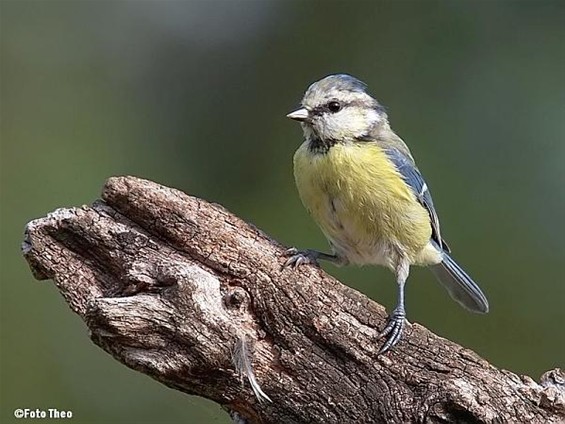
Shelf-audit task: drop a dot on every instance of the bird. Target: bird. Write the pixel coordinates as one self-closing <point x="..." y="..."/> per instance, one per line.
<point x="359" y="182"/>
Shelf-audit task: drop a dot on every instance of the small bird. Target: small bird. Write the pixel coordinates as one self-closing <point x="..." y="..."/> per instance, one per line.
<point x="360" y="183"/>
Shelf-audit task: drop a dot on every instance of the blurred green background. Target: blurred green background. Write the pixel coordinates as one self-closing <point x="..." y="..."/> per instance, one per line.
<point x="194" y="95"/>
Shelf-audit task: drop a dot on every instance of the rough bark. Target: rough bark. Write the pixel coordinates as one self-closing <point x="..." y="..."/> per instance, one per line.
<point x="170" y="285"/>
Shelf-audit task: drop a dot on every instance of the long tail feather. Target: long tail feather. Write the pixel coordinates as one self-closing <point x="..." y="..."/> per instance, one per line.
<point x="460" y="286"/>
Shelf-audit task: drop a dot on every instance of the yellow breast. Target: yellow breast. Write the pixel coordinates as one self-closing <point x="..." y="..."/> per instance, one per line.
<point x="361" y="202"/>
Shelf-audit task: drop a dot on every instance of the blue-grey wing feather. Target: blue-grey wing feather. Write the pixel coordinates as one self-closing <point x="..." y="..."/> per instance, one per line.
<point x="410" y="173"/>
<point x="460" y="286"/>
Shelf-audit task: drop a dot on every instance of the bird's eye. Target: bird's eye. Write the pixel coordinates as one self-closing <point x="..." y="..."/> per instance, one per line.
<point x="334" y="106"/>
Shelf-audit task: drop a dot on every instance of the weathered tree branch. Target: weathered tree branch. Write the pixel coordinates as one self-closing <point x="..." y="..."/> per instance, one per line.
<point x="170" y="284"/>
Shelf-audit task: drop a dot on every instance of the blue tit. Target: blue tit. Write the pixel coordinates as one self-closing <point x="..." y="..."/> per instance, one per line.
<point x="359" y="182"/>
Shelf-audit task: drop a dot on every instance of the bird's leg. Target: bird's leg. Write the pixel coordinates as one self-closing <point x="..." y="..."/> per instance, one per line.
<point x="396" y="320"/>
<point x="308" y="256"/>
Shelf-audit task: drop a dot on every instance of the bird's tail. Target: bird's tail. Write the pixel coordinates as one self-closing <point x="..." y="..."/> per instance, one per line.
<point x="459" y="285"/>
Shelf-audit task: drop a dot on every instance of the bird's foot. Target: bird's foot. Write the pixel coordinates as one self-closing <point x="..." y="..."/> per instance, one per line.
<point x="301" y="257"/>
<point x="393" y="330"/>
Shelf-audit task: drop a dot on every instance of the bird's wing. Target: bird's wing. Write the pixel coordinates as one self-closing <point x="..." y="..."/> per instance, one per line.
<point x="410" y="173"/>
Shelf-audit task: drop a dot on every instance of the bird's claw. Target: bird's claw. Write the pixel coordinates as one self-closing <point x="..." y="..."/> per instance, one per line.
<point x="300" y="257"/>
<point x="393" y="330"/>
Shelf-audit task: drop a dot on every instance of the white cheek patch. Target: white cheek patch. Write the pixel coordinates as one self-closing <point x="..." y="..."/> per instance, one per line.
<point x="351" y="122"/>
<point x="373" y="117"/>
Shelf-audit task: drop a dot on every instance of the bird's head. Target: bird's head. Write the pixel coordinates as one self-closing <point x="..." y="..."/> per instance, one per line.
<point x="338" y="109"/>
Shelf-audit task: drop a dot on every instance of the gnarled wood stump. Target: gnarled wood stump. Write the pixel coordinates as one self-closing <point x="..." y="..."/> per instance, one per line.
<point x="174" y="287"/>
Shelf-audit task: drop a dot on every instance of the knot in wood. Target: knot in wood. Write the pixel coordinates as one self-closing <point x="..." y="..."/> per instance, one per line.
<point x="236" y="298"/>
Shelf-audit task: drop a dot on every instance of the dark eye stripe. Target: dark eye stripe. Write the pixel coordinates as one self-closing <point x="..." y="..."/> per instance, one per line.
<point x="325" y="108"/>
<point x="373" y="104"/>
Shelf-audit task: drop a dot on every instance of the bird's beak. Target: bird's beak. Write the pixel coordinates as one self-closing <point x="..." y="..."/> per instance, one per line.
<point x="299" y="114"/>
